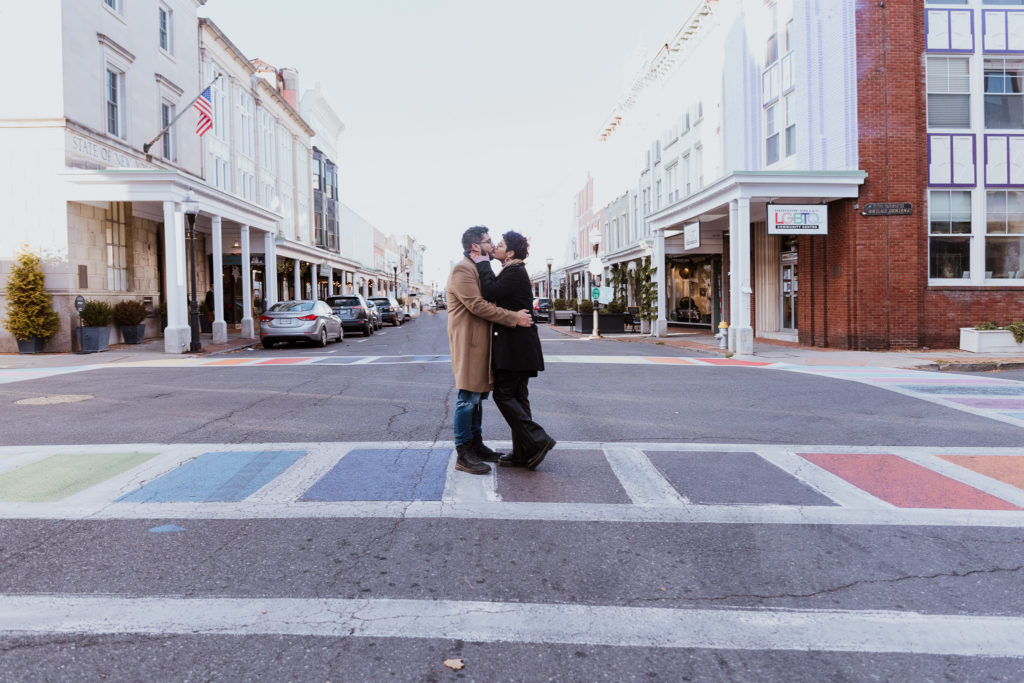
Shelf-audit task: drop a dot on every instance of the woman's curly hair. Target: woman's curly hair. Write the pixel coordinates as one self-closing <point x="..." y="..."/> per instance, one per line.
<point x="517" y="243"/>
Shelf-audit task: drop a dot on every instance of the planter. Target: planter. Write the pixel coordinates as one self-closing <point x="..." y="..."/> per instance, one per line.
<point x="133" y="334"/>
<point x="607" y="323"/>
<point x="92" y="339"/>
<point x="205" y="324"/>
<point x="988" y="341"/>
<point x="33" y="345"/>
<point x="563" y="317"/>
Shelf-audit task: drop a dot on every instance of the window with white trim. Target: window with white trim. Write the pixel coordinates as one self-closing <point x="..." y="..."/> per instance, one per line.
<point x="115" y="101"/>
<point x="169" y="139"/>
<point x="771" y="132"/>
<point x="114" y="5"/>
<point x="949" y="230"/>
<point x="1004" y="92"/>
<point x="949" y="92"/>
<point x="672" y="181"/>
<point x="790" y="103"/>
<point x="1004" y="234"/>
<point x="246" y="130"/>
<point x="698" y="165"/>
<point x="165" y="28"/>
<point x="116" y="239"/>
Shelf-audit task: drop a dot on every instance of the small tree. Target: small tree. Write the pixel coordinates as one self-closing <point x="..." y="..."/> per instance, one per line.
<point x="29" y="308"/>
<point x="129" y="312"/>
<point x="97" y="313"/>
<point x="647" y="290"/>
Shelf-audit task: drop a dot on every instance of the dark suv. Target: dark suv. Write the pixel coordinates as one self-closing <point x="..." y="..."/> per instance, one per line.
<point x="541" y="310"/>
<point x="353" y="312"/>
<point x="390" y="311"/>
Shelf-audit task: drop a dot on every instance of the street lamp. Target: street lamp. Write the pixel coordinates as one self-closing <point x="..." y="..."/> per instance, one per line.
<point x="596" y="268"/>
<point x="395" y="269"/>
<point x="191" y="208"/>
<point x="551" y="302"/>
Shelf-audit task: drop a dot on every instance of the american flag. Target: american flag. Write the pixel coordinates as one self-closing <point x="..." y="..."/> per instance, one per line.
<point x="205" y="108"/>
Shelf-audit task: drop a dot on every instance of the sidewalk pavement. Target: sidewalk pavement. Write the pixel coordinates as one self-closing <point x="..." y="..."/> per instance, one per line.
<point x="773" y="351"/>
<point x="765" y="350"/>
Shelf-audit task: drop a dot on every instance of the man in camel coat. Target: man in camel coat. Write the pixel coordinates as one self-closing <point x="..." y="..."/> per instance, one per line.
<point x="469" y="335"/>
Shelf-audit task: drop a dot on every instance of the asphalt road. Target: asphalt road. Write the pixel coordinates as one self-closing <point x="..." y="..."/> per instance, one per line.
<point x="571" y="545"/>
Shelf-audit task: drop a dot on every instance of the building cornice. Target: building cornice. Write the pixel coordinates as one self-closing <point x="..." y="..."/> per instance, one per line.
<point x="170" y="85"/>
<point x="218" y="35"/>
<point x="115" y="47"/>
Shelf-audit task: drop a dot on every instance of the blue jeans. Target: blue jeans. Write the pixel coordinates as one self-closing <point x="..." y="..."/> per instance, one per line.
<point x="469" y="415"/>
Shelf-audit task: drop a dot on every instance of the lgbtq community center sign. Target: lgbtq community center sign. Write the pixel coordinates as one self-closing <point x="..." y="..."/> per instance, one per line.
<point x="797" y="219"/>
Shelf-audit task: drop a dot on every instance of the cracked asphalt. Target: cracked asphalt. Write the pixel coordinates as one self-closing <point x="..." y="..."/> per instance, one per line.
<point x="933" y="570"/>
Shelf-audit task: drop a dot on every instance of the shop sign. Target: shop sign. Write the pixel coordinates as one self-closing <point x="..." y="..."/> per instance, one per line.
<point x="888" y="209"/>
<point x="691" y="236"/>
<point x="797" y="219"/>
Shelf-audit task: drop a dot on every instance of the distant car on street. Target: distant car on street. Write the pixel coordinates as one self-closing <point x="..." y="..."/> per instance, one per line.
<point x="375" y="313"/>
<point x="354" y="313"/>
<point x="541" y="309"/>
<point x="390" y="311"/>
<point x="301" y="320"/>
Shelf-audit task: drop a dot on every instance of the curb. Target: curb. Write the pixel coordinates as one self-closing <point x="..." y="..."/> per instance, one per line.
<point x="989" y="366"/>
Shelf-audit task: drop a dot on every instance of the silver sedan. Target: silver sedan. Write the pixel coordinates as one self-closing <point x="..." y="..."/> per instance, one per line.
<point x="303" y="320"/>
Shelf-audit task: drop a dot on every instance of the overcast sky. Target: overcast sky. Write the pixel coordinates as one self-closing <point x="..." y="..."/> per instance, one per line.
<point x="462" y="112"/>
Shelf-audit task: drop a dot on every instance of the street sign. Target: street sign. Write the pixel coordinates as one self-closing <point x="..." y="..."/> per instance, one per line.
<point x="607" y="293"/>
<point x="888" y="209"/>
<point x="595" y="293"/>
<point x="79" y="303"/>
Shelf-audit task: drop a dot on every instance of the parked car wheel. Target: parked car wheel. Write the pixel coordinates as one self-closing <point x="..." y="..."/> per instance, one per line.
<point x="267" y="344"/>
<point x="341" y="334"/>
<point x="368" y="330"/>
<point x="322" y="340"/>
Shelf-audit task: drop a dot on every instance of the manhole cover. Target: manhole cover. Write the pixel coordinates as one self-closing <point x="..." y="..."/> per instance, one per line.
<point x="52" y="400"/>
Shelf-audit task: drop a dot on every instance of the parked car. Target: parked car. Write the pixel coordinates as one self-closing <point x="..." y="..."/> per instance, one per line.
<point x="390" y="311"/>
<point x="353" y="312"/>
<point x="301" y="320"/>
<point x="375" y="312"/>
<point x="440" y="303"/>
<point x="541" y="310"/>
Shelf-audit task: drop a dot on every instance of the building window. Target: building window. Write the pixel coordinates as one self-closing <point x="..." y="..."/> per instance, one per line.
<point x="165" y="24"/>
<point x="771" y="51"/>
<point x="246" y="130"/>
<point x="672" y="179"/>
<point x="115" y="95"/>
<point x="657" y="194"/>
<point x="698" y="165"/>
<point x="166" y="116"/>
<point x="1004" y="238"/>
<point x="790" y="125"/>
<point x="116" y="226"/>
<point x="949" y="227"/>
<point x="949" y="92"/>
<point x="771" y="128"/>
<point x="113" y="4"/>
<point x="687" y="183"/>
<point x="1004" y="93"/>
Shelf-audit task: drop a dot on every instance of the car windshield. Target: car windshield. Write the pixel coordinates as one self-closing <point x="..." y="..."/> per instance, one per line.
<point x="292" y="306"/>
<point x="346" y="301"/>
<point x="380" y="302"/>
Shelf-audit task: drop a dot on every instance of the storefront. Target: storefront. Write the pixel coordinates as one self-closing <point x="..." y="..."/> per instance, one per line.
<point x="694" y="290"/>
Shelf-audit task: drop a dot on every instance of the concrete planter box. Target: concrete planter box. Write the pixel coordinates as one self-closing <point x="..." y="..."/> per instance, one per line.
<point x="988" y="341"/>
<point x="93" y="339"/>
<point x="607" y="323"/>
<point x="33" y="345"/>
<point x="133" y="334"/>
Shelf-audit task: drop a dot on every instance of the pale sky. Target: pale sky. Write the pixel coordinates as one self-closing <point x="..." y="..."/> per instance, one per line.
<point x="462" y="112"/>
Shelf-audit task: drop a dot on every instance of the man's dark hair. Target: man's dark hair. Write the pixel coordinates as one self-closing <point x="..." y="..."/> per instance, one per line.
<point x="472" y="236"/>
<point x="517" y="243"/>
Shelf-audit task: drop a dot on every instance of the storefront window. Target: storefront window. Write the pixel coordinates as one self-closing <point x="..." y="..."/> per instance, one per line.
<point x="690" y="289"/>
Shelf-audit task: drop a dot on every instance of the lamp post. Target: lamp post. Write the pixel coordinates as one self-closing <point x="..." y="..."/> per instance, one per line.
<point x="551" y="301"/>
<point x="596" y="267"/>
<point x="191" y="207"/>
<point x="395" y="270"/>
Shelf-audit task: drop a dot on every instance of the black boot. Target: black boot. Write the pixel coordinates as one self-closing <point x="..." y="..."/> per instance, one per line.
<point x="467" y="461"/>
<point x="483" y="452"/>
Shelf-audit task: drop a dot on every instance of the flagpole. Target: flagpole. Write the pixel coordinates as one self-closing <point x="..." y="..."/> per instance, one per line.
<point x="146" y="147"/>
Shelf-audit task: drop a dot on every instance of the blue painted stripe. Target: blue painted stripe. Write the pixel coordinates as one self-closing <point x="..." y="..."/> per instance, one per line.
<point x="966" y="390"/>
<point x="384" y="474"/>
<point x="338" y="360"/>
<point x="216" y="477"/>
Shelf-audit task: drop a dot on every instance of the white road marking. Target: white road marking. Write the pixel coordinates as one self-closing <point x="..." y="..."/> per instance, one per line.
<point x="504" y="622"/>
<point x="818" y="478"/>
<point x="641" y="480"/>
<point x="462" y="487"/>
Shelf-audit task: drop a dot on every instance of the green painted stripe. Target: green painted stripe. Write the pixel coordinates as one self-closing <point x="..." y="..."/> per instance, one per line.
<point x="59" y="476"/>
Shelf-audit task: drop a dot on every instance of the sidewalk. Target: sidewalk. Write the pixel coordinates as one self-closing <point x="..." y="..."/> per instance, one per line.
<point x="787" y="352"/>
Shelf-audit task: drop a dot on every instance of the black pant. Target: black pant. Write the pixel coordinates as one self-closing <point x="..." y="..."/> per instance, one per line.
<point x="512" y="396"/>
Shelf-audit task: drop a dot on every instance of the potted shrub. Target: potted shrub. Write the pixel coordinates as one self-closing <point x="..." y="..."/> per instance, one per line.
<point x="583" y="321"/>
<point x="129" y="316"/>
<point x="992" y="338"/>
<point x="647" y="294"/>
<point x="94" y="334"/>
<point x="30" y="315"/>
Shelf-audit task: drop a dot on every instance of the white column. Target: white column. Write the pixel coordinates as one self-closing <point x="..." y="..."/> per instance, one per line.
<point x="247" y="327"/>
<point x="744" y="330"/>
<point x="661" y="324"/>
<point x="269" y="270"/>
<point x="297" y="281"/>
<point x="733" y="277"/>
<point x="366" y="291"/>
<point x="177" y="335"/>
<point x="312" y="282"/>
<point x="220" y="328"/>
<point x="329" y="273"/>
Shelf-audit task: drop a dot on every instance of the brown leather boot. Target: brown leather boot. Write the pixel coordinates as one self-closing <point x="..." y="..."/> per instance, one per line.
<point x="467" y="460"/>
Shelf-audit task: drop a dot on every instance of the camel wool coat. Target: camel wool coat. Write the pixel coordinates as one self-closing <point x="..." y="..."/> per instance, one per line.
<point x="469" y="327"/>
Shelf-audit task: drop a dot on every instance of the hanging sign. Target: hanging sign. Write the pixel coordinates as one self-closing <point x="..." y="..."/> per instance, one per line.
<point x="797" y="219"/>
<point x="691" y="236"/>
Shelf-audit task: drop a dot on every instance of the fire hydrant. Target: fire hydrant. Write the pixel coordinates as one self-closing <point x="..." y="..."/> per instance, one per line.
<point x="723" y="335"/>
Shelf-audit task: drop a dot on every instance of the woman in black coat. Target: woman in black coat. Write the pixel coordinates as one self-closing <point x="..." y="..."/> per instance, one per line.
<point x="516" y="355"/>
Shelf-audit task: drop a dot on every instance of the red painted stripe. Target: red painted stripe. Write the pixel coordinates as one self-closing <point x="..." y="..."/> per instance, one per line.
<point x="905" y="484"/>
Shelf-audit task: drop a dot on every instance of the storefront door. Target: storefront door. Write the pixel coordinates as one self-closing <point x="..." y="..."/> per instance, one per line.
<point x="789" y="290"/>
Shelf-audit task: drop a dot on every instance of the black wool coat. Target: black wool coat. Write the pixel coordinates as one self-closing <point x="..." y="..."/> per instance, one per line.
<point x="512" y="348"/>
